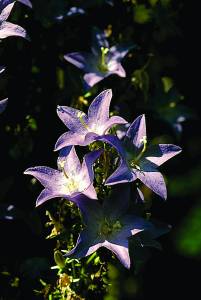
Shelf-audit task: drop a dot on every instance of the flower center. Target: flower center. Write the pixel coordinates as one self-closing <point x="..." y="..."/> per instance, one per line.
<point x="133" y="163"/>
<point x="108" y="227"/>
<point x="70" y="184"/>
<point x="103" y="64"/>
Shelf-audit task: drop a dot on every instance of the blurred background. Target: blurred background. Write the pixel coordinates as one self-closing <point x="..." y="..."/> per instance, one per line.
<point x="160" y="82"/>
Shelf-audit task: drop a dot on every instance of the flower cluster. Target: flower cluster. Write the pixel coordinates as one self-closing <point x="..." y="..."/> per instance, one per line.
<point x="109" y="223"/>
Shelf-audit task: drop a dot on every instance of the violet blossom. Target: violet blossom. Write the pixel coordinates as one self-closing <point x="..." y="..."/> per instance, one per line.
<point x="108" y="225"/>
<point x="71" y="178"/>
<point x="102" y="62"/>
<point x="141" y="162"/>
<point x="84" y="129"/>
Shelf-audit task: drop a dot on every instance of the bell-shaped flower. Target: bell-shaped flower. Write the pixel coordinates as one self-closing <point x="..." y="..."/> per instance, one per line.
<point x="71" y="178"/>
<point x="84" y="129"/>
<point x="141" y="162"/>
<point x="102" y="62"/>
<point x="108" y="225"/>
<point x="3" y="104"/>
<point x="7" y="28"/>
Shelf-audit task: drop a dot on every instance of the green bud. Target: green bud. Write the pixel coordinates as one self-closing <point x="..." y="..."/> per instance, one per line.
<point x="59" y="259"/>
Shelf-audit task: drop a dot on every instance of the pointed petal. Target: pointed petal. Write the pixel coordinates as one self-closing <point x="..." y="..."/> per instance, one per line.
<point x="115" y="67"/>
<point x="73" y="118"/>
<point x="6" y="10"/>
<point x="98" y="40"/>
<point x="158" y="154"/>
<point x="26" y="2"/>
<point x="85" y="246"/>
<point x="155" y="181"/>
<point x="48" y="177"/>
<point x="117" y="205"/>
<point x="72" y="164"/>
<point x="98" y="112"/>
<point x="91" y="192"/>
<point x="121" y="174"/>
<point x="3" y="104"/>
<point x="113" y="141"/>
<point x="114" y="121"/>
<point x="121" y="251"/>
<point x="9" y="29"/>
<point x="137" y="131"/>
<point x="69" y="139"/>
<point x="88" y="161"/>
<point x="92" y="78"/>
<point x="119" y="51"/>
<point x="79" y="59"/>
<point x="62" y="157"/>
<point x="92" y="211"/>
<point x="46" y="195"/>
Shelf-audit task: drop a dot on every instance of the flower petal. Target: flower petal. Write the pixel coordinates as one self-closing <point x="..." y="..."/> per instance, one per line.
<point x="119" y="51"/>
<point x="121" y="251"/>
<point x="114" y="121"/>
<point x="137" y="131"/>
<point x="92" y="78"/>
<point x="26" y="2"/>
<point x="6" y="8"/>
<point x="158" y="154"/>
<point x="113" y="141"/>
<point x="72" y="163"/>
<point x="79" y="59"/>
<point x="9" y="29"/>
<point x="48" y="177"/>
<point x="91" y="192"/>
<point x="69" y="139"/>
<point x="87" y="165"/>
<point x="46" y="195"/>
<point x="121" y="174"/>
<point x="73" y="118"/>
<point x="98" y="112"/>
<point x="154" y="180"/>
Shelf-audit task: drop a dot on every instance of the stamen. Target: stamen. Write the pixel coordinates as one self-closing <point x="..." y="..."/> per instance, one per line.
<point x="104" y="52"/>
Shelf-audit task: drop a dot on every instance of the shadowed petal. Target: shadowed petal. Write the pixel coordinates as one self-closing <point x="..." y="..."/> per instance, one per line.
<point x="114" y="121"/>
<point x="137" y="131"/>
<point x="87" y="165"/>
<point x="121" y="251"/>
<point x="113" y="141"/>
<point x="3" y="104"/>
<point x="119" y="70"/>
<point x="10" y="29"/>
<point x="155" y="181"/>
<point x="118" y="52"/>
<point x="47" y="176"/>
<point x="121" y="174"/>
<point x="68" y="139"/>
<point x="98" y="112"/>
<point x="73" y="118"/>
<point x="26" y="2"/>
<point x="80" y="59"/>
<point x="158" y="154"/>
<point x="92" y="211"/>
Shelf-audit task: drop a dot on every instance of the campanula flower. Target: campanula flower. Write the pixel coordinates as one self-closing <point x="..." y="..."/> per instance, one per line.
<point x="84" y="129"/>
<point x="141" y="162"/>
<point x="71" y="178"/>
<point x="102" y="62"/>
<point x="108" y="225"/>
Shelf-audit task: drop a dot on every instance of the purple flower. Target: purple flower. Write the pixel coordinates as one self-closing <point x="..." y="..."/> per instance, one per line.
<point x="71" y="178"/>
<point x="102" y="62"/>
<point x="84" y="129"/>
<point x="7" y="28"/>
<point x="140" y="162"/>
<point x="3" y="104"/>
<point x="108" y="225"/>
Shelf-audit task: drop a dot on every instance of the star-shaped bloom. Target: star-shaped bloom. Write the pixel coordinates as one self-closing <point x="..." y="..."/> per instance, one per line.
<point x="108" y="225"/>
<point x="141" y="162"/>
<point x="71" y="178"/>
<point x="7" y="28"/>
<point x="84" y="129"/>
<point x="3" y="104"/>
<point x="102" y="62"/>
